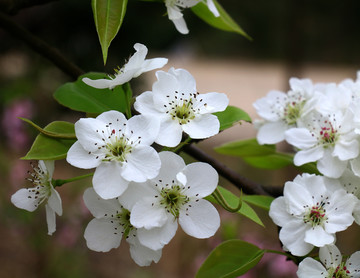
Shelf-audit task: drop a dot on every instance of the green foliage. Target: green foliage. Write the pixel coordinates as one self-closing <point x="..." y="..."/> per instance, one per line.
<point x="50" y="148"/>
<point x="230" y="259"/>
<point x="231" y="116"/>
<point x="262" y="156"/>
<point x="223" y="22"/>
<point x="108" y="16"/>
<point x="233" y="201"/>
<point x="260" y="201"/>
<point x="79" y="96"/>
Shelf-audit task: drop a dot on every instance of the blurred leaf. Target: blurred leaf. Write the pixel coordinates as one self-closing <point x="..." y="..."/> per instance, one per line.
<point x="48" y="148"/>
<point x="260" y="201"/>
<point x="230" y="259"/>
<point x="249" y="147"/>
<point x="270" y="161"/>
<point x="223" y="22"/>
<point x="233" y="201"/>
<point x="108" y="16"/>
<point x="79" y="96"/>
<point x="231" y="116"/>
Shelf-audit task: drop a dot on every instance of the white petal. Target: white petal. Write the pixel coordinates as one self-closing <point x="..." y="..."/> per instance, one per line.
<point x="201" y="220"/>
<point x="50" y="219"/>
<point x="202" y="179"/>
<point x="99" y="83"/>
<point x="156" y="238"/>
<point x="346" y="150"/>
<point x="89" y="133"/>
<point x="317" y="236"/>
<point x="309" y="268"/>
<point x="203" y="126"/>
<point x="99" y="207"/>
<point x="79" y="157"/>
<point x="296" y="197"/>
<point x="108" y="181"/>
<point x="135" y="192"/>
<point x="186" y="82"/>
<point x="144" y="104"/>
<point x="136" y="60"/>
<point x="213" y="102"/>
<point x="292" y="236"/>
<point x="147" y="214"/>
<point x="170" y="133"/>
<point x="101" y="235"/>
<point x="266" y="107"/>
<point x="271" y="132"/>
<point x="308" y="155"/>
<point x="123" y="77"/>
<point x="278" y="212"/>
<point x="142" y="163"/>
<point x="25" y="199"/>
<point x="330" y="256"/>
<point x="330" y="166"/>
<point x="353" y="264"/>
<point x="147" y="128"/>
<point x="114" y="119"/>
<point x="142" y="255"/>
<point x="166" y="84"/>
<point x="300" y="138"/>
<point x="180" y="25"/>
<point x="171" y="165"/>
<point x="155" y="63"/>
<point x="49" y="166"/>
<point x="54" y="201"/>
<point x="355" y="166"/>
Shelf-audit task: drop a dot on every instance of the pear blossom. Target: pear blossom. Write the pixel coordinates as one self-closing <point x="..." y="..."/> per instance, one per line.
<point x="330" y="140"/>
<point x="311" y="211"/>
<point x="118" y="148"/>
<point x="110" y="224"/>
<point x="136" y="65"/>
<point x="331" y="265"/>
<point x="175" y="195"/>
<point x="175" y="101"/>
<point x="280" y="111"/>
<point x="43" y="192"/>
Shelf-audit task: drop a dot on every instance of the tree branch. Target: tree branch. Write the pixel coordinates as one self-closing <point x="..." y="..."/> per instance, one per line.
<point x="247" y="186"/>
<point x="40" y="46"/>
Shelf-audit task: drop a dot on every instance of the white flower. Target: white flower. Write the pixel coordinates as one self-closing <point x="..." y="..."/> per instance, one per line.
<point x="111" y="223"/>
<point x="282" y="111"/>
<point x="175" y="15"/>
<point x="331" y="265"/>
<point x="133" y="68"/>
<point x="175" y="102"/>
<point x="118" y="148"/>
<point x="311" y="211"/>
<point x="330" y="140"/>
<point x="175" y="195"/>
<point x="43" y="192"/>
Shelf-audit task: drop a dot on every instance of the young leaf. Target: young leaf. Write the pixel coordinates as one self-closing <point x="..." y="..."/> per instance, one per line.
<point x="231" y="116"/>
<point x="260" y="201"/>
<point x="249" y="147"/>
<point x="49" y="148"/>
<point x="81" y="97"/>
<point x="230" y="259"/>
<point x="108" y="16"/>
<point x="223" y="22"/>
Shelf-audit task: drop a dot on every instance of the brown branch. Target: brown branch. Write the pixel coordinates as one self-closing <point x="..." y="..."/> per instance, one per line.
<point x="40" y="46"/>
<point x="13" y="6"/>
<point x="247" y="186"/>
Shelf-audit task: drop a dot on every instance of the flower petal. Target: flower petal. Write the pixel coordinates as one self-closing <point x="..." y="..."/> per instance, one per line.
<point x="99" y="83"/>
<point x="47" y="166"/>
<point x="212" y="102"/>
<point x="170" y="133"/>
<point x="202" y="179"/>
<point x="353" y="265"/>
<point x="331" y="166"/>
<point x="108" y="181"/>
<point x="202" y="126"/>
<point x="50" y="219"/>
<point x="89" y="133"/>
<point x="200" y="220"/>
<point x="300" y="138"/>
<point x="278" y="212"/>
<point x="309" y="268"/>
<point x="330" y="256"/>
<point x="79" y="157"/>
<point x="142" y="128"/>
<point x="142" y="163"/>
<point x="308" y="155"/>
<point x="155" y="63"/>
<point x="142" y="255"/>
<point x="171" y="165"/>
<point x="25" y="199"/>
<point x="271" y="132"/>
<point x="114" y="119"/>
<point x="144" y="104"/>
<point x="54" y="201"/>
<point x="101" y="235"/>
<point x="317" y="236"/>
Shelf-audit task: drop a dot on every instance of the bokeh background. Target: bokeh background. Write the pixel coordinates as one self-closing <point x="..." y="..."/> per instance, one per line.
<point x="306" y="39"/>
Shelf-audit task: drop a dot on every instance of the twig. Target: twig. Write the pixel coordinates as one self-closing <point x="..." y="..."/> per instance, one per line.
<point x="40" y="46"/>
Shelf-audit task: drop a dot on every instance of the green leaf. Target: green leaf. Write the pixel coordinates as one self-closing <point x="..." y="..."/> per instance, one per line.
<point x="79" y="96"/>
<point x="223" y="22"/>
<point x="48" y="148"/>
<point x="231" y="116"/>
<point x="260" y="201"/>
<point x="230" y="259"/>
<point x="249" y="147"/>
<point x="233" y="201"/>
<point x="270" y="161"/>
<point x="108" y="16"/>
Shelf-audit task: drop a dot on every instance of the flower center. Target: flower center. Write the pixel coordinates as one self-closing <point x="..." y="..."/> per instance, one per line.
<point x="181" y="109"/>
<point x="173" y="199"/>
<point x="118" y="149"/>
<point x="292" y="111"/>
<point x="339" y="272"/>
<point x="315" y="215"/>
<point x="42" y="186"/>
<point x="124" y="220"/>
<point x="328" y="134"/>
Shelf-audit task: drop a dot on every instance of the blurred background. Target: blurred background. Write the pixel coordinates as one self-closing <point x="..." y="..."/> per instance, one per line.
<point x="306" y="39"/>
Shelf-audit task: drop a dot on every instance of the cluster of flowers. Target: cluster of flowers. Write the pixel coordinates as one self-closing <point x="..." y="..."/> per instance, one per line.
<point x="321" y="121"/>
<point x="138" y="193"/>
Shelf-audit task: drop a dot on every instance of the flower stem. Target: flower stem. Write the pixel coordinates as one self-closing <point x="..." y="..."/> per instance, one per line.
<point x="60" y="182"/>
